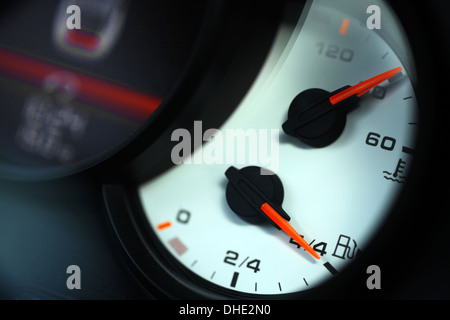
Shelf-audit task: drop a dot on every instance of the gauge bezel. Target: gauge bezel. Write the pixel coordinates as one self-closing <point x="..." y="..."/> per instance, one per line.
<point x="179" y="282"/>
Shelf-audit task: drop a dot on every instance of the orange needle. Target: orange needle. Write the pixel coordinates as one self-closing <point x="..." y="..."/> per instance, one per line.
<point x="362" y="87"/>
<point x="286" y="227"/>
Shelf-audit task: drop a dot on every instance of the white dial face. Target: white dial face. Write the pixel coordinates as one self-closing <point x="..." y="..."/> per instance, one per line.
<point x="337" y="196"/>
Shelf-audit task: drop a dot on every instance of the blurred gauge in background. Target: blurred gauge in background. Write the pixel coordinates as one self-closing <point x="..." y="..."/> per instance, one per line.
<point x="79" y="78"/>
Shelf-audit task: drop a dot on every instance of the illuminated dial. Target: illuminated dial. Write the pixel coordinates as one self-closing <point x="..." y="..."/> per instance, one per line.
<point x="336" y="192"/>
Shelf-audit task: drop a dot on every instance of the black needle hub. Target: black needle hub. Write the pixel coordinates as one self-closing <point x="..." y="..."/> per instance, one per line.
<point x="248" y="190"/>
<point x="314" y="120"/>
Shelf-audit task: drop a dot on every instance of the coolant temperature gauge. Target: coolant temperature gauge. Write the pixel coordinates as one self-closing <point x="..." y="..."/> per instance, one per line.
<point x="336" y="109"/>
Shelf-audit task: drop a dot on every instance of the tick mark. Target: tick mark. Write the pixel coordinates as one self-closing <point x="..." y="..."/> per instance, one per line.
<point x="164" y="225"/>
<point x="384" y="56"/>
<point x="193" y="263"/>
<point x="234" y="279"/>
<point x="177" y="245"/>
<point x="406" y="98"/>
<point x="212" y="276"/>
<point x="407" y="150"/>
<point x="344" y="26"/>
<point x="279" y="286"/>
